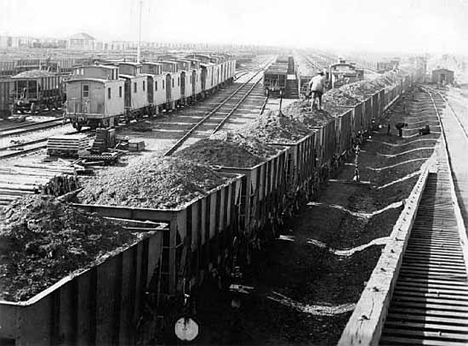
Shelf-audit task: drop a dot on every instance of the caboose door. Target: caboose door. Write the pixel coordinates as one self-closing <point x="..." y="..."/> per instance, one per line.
<point x="128" y="93"/>
<point x="194" y="78"/>
<point x="168" y="87"/>
<point x="182" y="84"/>
<point x="150" y="84"/>
<point x="203" y="78"/>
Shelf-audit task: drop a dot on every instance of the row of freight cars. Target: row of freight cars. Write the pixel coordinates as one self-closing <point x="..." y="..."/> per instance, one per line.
<point x="135" y="89"/>
<point x="103" y="305"/>
<point x="102" y="95"/>
<point x="59" y="65"/>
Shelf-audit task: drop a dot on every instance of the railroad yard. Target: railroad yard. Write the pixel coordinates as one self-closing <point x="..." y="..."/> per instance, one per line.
<point x="231" y="194"/>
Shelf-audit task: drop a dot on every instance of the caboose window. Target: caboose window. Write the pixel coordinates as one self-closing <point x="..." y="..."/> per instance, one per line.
<point x="143" y="85"/>
<point x="109" y="93"/>
<point x="178" y="81"/>
<point x="172" y="82"/>
<point x="156" y="86"/>
<point x="135" y="87"/>
<point x="163" y="84"/>
<point x="85" y="90"/>
<point x="120" y="91"/>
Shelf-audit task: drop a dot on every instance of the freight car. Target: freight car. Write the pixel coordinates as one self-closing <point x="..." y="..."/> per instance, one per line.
<point x="343" y="73"/>
<point x="149" y="87"/>
<point x="275" y="78"/>
<point x="6" y="102"/>
<point x="36" y="90"/>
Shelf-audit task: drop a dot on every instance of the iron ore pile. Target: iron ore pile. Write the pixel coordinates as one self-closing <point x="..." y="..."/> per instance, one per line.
<point x="274" y="127"/>
<point x="249" y="145"/>
<point x="153" y="182"/>
<point x="43" y="240"/>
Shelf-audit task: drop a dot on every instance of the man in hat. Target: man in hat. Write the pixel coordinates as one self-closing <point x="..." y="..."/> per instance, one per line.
<point x="399" y="127"/>
<point x="317" y="87"/>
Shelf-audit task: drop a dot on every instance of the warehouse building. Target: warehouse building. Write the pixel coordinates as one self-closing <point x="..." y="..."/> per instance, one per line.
<point x="442" y="76"/>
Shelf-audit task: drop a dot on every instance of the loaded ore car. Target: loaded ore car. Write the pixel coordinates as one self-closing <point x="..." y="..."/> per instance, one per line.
<point x="95" y="96"/>
<point x="36" y="90"/>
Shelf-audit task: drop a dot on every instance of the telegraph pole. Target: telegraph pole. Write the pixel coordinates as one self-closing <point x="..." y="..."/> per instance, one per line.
<point x="139" y="33"/>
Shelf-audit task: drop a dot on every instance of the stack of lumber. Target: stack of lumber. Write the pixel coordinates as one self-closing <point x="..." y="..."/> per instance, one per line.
<point x="20" y="180"/>
<point x="67" y="145"/>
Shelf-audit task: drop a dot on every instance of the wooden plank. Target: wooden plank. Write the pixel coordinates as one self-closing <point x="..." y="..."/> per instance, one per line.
<point x="426" y="318"/>
<point x="442" y="307"/>
<point x="421" y="310"/>
<point x="433" y="285"/>
<point x="394" y="340"/>
<point x="432" y="258"/>
<point x="428" y="334"/>
<point x="431" y="290"/>
<point x="435" y="268"/>
<point x="445" y="301"/>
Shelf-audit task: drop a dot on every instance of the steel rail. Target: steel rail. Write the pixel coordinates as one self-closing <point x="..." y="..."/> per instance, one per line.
<point x="189" y="132"/>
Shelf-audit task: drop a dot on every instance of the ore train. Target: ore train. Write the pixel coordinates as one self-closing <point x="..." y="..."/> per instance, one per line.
<point x="104" y="94"/>
<point x="196" y="238"/>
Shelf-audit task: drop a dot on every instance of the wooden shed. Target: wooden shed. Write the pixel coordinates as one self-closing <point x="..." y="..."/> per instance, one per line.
<point x="442" y="76"/>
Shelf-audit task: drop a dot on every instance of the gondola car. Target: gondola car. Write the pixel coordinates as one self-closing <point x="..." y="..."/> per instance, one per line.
<point x="36" y="90"/>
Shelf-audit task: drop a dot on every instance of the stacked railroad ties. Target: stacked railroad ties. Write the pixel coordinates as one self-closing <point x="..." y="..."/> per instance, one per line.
<point x="194" y="212"/>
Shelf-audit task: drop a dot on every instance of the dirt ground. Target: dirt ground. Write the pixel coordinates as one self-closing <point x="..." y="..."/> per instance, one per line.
<point x="303" y="292"/>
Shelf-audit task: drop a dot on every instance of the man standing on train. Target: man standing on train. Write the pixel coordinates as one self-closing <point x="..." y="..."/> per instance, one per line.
<point x="317" y="87"/>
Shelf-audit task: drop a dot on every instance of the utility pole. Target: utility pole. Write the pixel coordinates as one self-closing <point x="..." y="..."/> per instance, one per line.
<point x="139" y="33"/>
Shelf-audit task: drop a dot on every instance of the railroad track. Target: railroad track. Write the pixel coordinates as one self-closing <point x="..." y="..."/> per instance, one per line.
<point x="28" y="146"/>
<point x="31" y="127"/>
<point x="215" y="118"/>
<point x="429" y="304"/>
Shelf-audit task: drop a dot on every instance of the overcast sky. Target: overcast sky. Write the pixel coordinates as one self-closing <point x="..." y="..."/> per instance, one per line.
<point x="378" y="25"/>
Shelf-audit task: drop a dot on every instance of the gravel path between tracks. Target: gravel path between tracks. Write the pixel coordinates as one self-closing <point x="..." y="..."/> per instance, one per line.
<point x="294" y="275"/>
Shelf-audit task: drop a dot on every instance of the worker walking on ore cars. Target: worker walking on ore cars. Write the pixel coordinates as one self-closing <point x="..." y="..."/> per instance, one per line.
<point x="317" y="87"/>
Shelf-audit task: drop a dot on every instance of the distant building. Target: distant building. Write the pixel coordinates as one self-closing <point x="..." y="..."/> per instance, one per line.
<point x="442" y="76"/>
<point x="81" y="41"/>
<point x="4" y="41"/>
